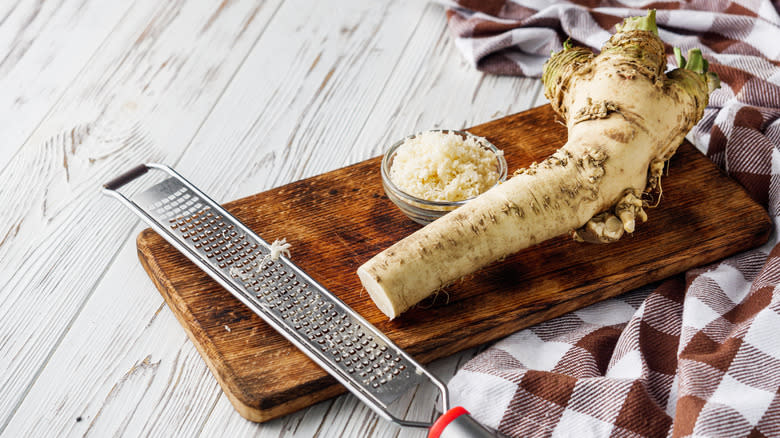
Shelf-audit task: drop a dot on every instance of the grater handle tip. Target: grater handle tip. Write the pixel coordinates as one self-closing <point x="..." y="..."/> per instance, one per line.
<point x="457" y="423"/>
<point x="126" y="177"/>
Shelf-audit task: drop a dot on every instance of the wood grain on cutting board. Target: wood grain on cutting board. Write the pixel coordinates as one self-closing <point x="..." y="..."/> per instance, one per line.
<point x="338" y="220"/>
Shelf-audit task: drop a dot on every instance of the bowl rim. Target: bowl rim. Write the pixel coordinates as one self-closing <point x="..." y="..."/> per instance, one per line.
<point x="385" y="168"/>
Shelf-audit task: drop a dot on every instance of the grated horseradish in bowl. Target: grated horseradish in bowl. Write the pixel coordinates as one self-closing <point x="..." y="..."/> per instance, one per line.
<point x="434" y="172"/>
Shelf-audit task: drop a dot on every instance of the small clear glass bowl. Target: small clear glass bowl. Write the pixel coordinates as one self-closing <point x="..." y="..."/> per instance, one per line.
<point x="421" y="210"/>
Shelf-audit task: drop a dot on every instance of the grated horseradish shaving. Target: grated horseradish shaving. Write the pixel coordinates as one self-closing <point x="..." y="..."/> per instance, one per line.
<point x="280" y="247"/>
<point x="277" y="249"/>
<point x="440" y="166"/>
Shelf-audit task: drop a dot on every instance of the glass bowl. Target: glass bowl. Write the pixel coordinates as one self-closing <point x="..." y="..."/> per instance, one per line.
<point x="421" y="210"/>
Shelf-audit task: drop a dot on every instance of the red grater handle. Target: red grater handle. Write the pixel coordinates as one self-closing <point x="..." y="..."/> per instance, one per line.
<point x="457" y="423"/>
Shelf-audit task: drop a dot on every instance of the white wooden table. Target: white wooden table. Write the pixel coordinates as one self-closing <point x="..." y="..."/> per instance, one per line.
<point x="239" y="96"/>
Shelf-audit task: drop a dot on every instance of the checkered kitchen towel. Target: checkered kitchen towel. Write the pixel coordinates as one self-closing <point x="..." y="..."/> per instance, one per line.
<point x="698" y="355"/>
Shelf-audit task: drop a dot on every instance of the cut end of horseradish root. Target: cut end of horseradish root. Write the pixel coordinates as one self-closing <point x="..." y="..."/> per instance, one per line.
<point x="377" y="294"/>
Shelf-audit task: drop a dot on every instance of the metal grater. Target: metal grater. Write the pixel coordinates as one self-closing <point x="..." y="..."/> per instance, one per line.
<point x="337" y="338"/>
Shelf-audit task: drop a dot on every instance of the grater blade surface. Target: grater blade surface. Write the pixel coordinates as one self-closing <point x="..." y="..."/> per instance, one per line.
<point x="357" y="354"/>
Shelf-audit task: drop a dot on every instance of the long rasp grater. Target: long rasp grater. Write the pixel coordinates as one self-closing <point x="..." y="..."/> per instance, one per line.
<point x="336" y="337"/>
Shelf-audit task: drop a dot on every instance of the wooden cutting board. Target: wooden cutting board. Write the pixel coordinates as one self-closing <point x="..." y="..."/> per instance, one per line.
<point x="338" y="220"/>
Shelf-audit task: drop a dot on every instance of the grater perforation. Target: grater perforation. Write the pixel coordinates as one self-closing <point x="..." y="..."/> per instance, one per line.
<point x="302" y="310"/>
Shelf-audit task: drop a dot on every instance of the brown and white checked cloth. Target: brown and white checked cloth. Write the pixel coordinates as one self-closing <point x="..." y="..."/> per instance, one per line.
<point x="698" y="355"/>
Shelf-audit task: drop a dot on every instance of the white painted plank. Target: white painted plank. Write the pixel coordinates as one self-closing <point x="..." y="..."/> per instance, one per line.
<point x="43" y="46"/>
<point x="434" y="88"/>
<point x="142" y="98"/>
<point x="109" y="396"/>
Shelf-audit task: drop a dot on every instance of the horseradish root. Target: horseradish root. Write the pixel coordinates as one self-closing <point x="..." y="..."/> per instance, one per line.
<point x="625" y="119"/>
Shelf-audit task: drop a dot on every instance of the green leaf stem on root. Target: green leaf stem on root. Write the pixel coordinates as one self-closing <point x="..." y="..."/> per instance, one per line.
<point x="679" y="57"/>
<point x="646" y="23"/>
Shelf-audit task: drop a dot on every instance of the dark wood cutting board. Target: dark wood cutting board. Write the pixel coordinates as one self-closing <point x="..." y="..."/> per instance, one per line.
<point x="338" y="220"/>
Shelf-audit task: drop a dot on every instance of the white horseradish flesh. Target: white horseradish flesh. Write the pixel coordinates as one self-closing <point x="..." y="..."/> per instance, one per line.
<point x="443" y="166"/>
